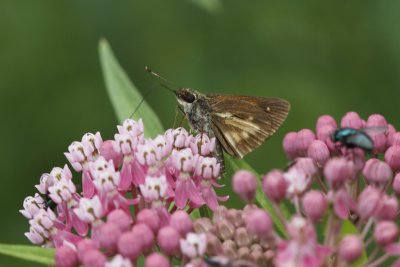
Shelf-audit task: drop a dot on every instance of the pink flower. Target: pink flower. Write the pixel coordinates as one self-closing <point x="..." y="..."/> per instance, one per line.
<point x="92" y="144"/>
<point x="154" y="188"/>
<point x="35" y="237"/>
<point x="289" y="145"/>
<point x="350" y="248"/>
<point x="169" y="240"/>
<point x="119" y="261"/>
<point x="89" y="210"/>
<point x="244" y="184"/>
<point x="303" y="140"/>
<point x="274" y="185"/>
<point x="352" y="120"/>
<point x="201" y="144"/>
<point x="133" y="128"/>
<point x="314" y="204"/>
<point x="207" y="167"/>
<point x="66" y="257"/>
<point x="177" y="137"/>
<point x="302" y="250"/>
<point x="32" y="205"/>
<point x="187" y="190"/>
<point x="183" y="160"/>
<point x="326" y="120"/>
<point x="62" y="191"/>
<point x="194" y="245"/>
<point x="337" y="171"/>
<point x="297" y="182"/>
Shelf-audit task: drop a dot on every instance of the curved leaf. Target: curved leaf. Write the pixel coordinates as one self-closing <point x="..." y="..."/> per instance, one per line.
<point x="124" y="95"/>
<point x="29" y="253"/>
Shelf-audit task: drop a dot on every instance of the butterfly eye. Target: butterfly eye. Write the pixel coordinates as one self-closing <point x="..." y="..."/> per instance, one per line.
<point x="187" y="97"/>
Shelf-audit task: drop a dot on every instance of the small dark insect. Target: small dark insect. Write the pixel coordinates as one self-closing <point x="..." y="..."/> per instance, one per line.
<point x="352" y="138"/>
<point x="49" y="203"/>
<point x="239" y="123"/>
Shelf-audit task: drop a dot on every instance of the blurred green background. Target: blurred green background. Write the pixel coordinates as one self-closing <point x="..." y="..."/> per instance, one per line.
<point x="325" y="57"/>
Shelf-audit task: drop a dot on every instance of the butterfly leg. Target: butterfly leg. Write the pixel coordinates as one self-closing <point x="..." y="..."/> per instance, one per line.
<point x="182" y="121"/>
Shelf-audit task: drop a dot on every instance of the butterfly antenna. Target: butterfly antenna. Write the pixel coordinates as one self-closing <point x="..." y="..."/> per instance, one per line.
<point x="143" y="99"/>
<point x="163" y="79"/>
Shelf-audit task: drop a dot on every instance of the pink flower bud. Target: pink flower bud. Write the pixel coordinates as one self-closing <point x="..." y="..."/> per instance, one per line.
<point x="352" y="120"/>
<point x="379" y="139"/>
<point x="242" y="237"/>
<point x="108" y="236"/>
<point x="380" y="142"/>
<point x="314" y="204"/>
<point x="368" y="202"/>
<point x="337" y="171"/>
<point x="303" y="141"/>
<point x="243" y="252"/>
<point x="150" y="218"/>
<point x="120" y="218"/>
<point x="244" y="184"/>
<point x="214" y="245"/>
<point x="94" y="258"/>
<point x="274" y="185"/>
<point x="306" y="166"/>
<point x="202" y="225"/>
<point x="377" y="172"/>
<point x="394" y="139"/>
<point x="109" y="153"/>
<point x="181" y="221"/>
<point x="258" y="223"/>
<point x="84" y="246"/>
<point x="386" y="232"/>
<point x="66" y="257"/>
<point x="326" y="120"/>
<point x="376" y="120"/>
<point x="225" y="229"/>
<point x="392" y="157"/>
<point x="318" y="151"/>
<point x="129" y="245"/>
<point x="396" y="184"/>
<point x="235" y="217"/>
<point x="156" y="260"/>
<point x="324" y="134"/>
<point x="350" y="248"/>
<point x="389" y="134"/>
<point x="389" y="208"/>
<point x="168" y="240"/>
<point x="144" y="234"/>
<point x="289" y="145"/>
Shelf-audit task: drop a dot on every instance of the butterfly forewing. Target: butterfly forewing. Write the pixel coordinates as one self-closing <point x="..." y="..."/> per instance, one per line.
<point x="242" y="123"/>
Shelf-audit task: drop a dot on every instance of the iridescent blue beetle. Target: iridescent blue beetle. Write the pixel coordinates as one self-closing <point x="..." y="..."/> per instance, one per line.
<point x="351" y="138"/>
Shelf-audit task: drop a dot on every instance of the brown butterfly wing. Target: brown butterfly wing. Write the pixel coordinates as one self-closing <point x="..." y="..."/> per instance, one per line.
<point x="242" y="123"/>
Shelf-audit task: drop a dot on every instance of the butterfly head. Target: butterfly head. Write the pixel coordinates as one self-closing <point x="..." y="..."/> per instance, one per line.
<point x="186" y="95"/>
<point x="186" y="98"/>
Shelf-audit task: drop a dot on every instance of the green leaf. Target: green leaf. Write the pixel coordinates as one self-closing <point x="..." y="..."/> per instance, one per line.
<point x="205" y="211"/>
<point x="124" y="95"/>
<point x="238" y="164"/>
<point x="29" y="253"/>
<point x="349" y="228"/>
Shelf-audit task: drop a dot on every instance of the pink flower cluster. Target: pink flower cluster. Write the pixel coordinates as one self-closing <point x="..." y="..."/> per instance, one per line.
<point x="152" y="177"/>
<point x="351" y="187"/>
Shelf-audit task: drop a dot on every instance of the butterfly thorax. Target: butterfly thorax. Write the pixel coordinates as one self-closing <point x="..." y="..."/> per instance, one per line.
<point x="196" y="109"/>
